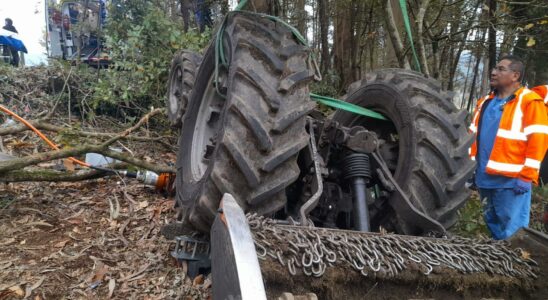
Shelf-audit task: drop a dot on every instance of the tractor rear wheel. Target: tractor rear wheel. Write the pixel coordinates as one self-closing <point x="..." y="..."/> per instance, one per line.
<point x="246" y="143"/>
<point x="426" y="143"/>
<point x="182" y="72"/>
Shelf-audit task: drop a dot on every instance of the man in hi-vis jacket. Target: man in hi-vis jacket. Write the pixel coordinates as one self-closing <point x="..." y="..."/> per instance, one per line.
<point x="511" y="126"/>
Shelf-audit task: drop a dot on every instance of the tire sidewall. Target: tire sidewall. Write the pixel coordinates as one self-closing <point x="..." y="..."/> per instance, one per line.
<point x="189" y="189"/>
<point x="174" y="116"/>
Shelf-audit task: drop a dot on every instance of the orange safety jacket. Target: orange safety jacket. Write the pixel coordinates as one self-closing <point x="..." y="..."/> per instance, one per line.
<point x="522" y="137"/>
<point x="542" y="91"/>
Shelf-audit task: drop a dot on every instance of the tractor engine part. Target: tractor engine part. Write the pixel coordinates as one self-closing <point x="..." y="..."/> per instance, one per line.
<point x="357" y="170"/>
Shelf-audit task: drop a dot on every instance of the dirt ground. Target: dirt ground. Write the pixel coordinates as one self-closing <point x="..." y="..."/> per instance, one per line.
<point x="95" y="239"/>
<point x="89" y="240"/>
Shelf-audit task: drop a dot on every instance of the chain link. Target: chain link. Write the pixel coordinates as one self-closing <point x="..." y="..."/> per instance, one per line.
<point x="313" y="250"/>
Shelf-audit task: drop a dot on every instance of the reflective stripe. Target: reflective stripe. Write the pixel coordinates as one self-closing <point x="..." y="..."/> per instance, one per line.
<point x="491" y="164"/>
<point x="507" y="134"/>
<point x="536" y="129"/>
<point x="472" y="157"/>
<point x="476" y="115"/>
<point x="532" y="163"/>
<point x="518" y="114"/>
<point x="473" y="128"/>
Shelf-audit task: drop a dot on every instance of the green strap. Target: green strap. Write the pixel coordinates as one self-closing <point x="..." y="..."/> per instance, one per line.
<point x="347" y="106"/>
<point x="408" y="29"/>
<point x="240" y="5"/>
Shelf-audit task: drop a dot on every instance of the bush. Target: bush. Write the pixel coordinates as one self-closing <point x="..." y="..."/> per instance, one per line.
<point x="141" y="40"/>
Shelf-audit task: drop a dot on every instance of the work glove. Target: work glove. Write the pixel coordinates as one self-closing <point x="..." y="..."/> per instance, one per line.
<point x="522" y="187"/>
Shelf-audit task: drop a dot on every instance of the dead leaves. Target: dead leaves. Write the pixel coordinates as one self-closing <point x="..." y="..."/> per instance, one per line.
<point x="85" y="253"/>
<point x="525" y="255"/>
<point x="21" y="290"/>
<point x="12" y="291"/>
<point x="29" y="289"/>
<point x="111" y="286"/>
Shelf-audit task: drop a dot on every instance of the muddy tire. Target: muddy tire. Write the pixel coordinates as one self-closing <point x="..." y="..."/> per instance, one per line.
<point x="247" y="143"/>
<point x="429" y="157"/>
<point x="182" y="73"/>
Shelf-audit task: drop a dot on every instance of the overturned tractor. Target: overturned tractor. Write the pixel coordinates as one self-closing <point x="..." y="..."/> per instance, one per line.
<point x="322" y="191"/>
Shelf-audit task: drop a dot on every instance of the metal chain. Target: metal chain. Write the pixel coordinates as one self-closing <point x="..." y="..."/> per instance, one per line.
<point x="313" y="250"/>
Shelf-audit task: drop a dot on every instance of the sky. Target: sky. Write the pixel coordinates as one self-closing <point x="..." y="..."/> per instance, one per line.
<point x="29" y="20"/>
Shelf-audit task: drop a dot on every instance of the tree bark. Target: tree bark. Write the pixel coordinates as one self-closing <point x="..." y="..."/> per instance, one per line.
<point x="185" y="13"/>
<point x="53" y="175"/>
<point x="420" y="39"/>
<point x="270" y="7"/>
<point x="492" y="35"/>
<point x="395" y="36"/>
<point x="474" y="78"/>
<point x="324" y="28"/>
<point x="301" y="16"/>
<point x="342" y="47"/>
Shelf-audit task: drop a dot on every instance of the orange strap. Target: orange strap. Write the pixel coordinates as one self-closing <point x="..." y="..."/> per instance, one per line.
<point x="40" y="134"/>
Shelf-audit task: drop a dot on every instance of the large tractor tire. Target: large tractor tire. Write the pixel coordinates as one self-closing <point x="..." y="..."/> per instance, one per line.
<point x="247" y="143"/>
<point x="426" y="142"/>
<point x="182" y="73"/>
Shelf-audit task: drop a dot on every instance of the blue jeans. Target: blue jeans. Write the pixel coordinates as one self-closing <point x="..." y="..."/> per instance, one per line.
<point x="504" y="211"/>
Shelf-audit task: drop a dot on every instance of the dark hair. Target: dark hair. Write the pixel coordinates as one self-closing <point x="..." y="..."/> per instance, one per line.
<point x="9" y="21"/>
<point x="516" y="65"/>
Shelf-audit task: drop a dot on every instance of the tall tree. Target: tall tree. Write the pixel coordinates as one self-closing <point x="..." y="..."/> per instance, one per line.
<point x="343" y="38"/>
<point x="394" y="35"/>
<point x="324" y="31"/>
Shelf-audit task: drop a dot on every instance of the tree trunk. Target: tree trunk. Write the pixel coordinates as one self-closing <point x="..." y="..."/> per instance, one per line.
<point x="324" y="28"/>
<point x="343" y="43"/>
<point x="492" y="34"/>
<point x="185" y="13"/>
<point x="270" y="7"/>
<point x="420" y="41"/>
<point x="300" y="16"/>
<point x="394" y="35"/>
<point x="474" y="78"/>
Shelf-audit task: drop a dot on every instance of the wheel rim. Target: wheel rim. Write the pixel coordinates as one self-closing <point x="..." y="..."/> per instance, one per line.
<point x="207" y="126"/>
<point x="176" y="91"/>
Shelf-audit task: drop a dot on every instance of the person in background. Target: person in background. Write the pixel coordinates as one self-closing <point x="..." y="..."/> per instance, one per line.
<point x="511" y="126"/>
<point x="10" y="50"/>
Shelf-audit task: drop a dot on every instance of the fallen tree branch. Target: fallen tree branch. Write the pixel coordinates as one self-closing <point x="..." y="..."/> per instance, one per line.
<point x="20" y="163"/>
<point x="137" y="162"/>
<point x="53" y="175"/>
<point x="43" y="125"/>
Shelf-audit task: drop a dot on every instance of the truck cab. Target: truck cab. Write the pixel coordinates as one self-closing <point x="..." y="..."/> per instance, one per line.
<point x="74" y="31"/>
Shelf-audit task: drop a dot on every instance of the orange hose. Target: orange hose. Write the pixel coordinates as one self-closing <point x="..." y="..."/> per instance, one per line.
<point x="40" y="134"/>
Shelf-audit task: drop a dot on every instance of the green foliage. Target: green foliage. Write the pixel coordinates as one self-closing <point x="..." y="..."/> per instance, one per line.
<point x="471" y="222"/>
<point x="328" y="85"/>
<point x="539" y="201"/>
<point x="141" y="40"/>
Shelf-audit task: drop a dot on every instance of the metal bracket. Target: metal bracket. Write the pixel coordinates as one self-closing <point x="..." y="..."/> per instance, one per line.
<point x="194" y="252"/>
<point x="311" y="203"/>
